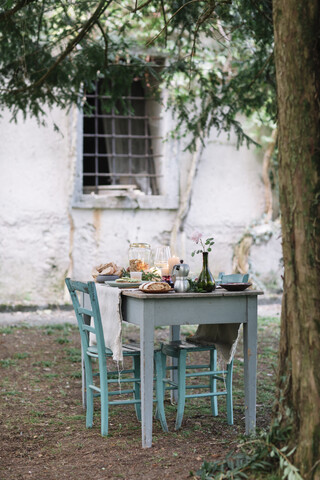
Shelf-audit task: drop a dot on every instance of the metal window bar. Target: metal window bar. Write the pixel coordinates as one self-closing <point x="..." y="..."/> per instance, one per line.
<point x="146" y="141"/>
<point x="149" y="175"/>
<point x="130" y="139"/>
<point x="96" y="143"/>
<point x="113" y="121"/>
<point x="133" y="155"/>
<point x="124" y="117"/>
<point x="110" y="135"/>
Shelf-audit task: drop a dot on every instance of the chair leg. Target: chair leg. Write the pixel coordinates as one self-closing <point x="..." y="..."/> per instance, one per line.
<point x="213" y="382"/>
<point x="104" y="397"/>
<point x="164" y="370"/>
<point x="229" y="393"/>
<point x="136" y="387"/>
<point x="181" y="387"/>
<point x="89" y="393"/>
<point x="160" y="389"/>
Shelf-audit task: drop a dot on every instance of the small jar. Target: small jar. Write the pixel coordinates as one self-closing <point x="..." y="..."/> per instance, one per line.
<point x="139" y="257"/>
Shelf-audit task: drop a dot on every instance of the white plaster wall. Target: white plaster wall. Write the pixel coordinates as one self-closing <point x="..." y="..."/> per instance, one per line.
<point x="105" y="235"/>
<point x="227" y="197"/>
<point x="42" y="238"/>
<point x="34" y="226"/>
<point x="265" y="258"/>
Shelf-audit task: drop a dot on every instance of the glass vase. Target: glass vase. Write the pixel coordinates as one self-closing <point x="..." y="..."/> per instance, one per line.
<point x="206" y="281"/>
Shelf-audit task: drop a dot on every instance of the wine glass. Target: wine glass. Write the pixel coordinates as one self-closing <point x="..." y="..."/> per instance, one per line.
<point x="161" y="257"/>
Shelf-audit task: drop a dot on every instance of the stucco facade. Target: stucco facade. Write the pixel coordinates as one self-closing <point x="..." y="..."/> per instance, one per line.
<point x="48" y="229"/>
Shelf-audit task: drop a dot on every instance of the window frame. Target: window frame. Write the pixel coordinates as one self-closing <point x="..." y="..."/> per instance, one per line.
<point x="168" y="180"/>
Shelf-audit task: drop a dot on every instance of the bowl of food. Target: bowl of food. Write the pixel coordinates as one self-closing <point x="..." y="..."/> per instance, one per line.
<point x="106" y="272"/>
<point x="106" y="278"/>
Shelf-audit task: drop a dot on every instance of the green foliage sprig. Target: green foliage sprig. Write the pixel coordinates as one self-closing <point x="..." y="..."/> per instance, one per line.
<point x="257" y="456"/>
<point x="150" y="276"/>
<point x="205" y="245"/>
<point x="193" y="287"/>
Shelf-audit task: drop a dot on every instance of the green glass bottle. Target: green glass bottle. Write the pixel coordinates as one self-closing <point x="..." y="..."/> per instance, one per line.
<point x="206" y="281"/>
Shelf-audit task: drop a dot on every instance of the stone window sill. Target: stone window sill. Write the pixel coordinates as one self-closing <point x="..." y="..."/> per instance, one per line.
<point x="125" y="201"/>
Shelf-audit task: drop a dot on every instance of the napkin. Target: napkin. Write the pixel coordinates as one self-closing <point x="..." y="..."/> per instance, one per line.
<point x="111" y="318"/>
<point x="224" y="337"/>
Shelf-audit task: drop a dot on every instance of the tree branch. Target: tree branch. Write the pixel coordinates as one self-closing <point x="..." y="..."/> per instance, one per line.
<point x="185" y="199"/>
<point x="106" y="44"/>
<point x="260" y="71"/>
<point x="103" y="5"/>
<point x="265" y="175"/>
<point x="165" y="21"/>
<point x="166" y="25"/>
<point x="136" y="8"/>
<point x="12" y="11"/>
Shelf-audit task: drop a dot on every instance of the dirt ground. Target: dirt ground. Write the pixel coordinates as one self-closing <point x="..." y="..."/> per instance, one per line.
<point x="43" y="433"/>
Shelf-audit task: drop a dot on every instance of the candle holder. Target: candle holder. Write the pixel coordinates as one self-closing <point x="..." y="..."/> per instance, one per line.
<point x="168" y="280"/>
<point x="161" y="258"/>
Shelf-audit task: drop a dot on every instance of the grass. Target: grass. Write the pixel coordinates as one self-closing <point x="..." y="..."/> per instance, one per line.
<point x="40" y="391"/>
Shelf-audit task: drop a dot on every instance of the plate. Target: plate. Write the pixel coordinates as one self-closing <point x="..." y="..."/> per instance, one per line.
<point x="124" y="285"/>
<point x="104" y="278"/>
<point x="235" y="287"/>
<point x="157" y="291"/>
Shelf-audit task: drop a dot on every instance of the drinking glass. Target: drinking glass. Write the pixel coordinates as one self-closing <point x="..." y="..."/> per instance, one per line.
<point x="161" y="257"/>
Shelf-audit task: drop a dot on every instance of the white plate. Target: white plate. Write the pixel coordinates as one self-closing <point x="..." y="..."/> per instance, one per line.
<point x="123" y="284"/>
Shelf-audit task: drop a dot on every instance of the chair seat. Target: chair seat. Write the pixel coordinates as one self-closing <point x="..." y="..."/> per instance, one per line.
<point x="128" y="351"/>
<point x="170" y="348"/>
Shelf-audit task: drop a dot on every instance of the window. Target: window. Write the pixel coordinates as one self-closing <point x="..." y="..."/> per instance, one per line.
<point x="121" y="147"/>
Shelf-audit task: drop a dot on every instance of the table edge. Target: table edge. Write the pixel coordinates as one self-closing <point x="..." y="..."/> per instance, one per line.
<point x="142" y="295"/>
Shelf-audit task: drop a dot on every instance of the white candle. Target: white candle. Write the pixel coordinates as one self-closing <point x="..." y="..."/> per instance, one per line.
<point x="165" y="271"/>
<point x="173" y="261"/>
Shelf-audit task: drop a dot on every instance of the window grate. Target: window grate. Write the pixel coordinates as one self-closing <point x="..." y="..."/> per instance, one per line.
<point x="120" y="146"/>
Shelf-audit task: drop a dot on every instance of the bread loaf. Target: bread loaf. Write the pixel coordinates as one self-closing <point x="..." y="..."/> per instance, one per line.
<point x="155" y="286"/>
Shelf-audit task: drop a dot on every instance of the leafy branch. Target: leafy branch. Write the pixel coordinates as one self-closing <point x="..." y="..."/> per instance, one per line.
<point x="257" y="455"/>
<point x="102" y="6"/>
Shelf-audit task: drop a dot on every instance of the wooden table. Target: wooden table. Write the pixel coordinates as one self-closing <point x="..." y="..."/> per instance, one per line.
<point x="174" y="309"/>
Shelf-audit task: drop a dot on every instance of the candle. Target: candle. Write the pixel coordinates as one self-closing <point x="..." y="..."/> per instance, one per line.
<point x="173" y="261"/>
<point x="165" y="271"/>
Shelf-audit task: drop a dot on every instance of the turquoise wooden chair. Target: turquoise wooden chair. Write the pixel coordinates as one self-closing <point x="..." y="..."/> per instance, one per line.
<point x="98" y="384"/>
<point x="180" y="351"/>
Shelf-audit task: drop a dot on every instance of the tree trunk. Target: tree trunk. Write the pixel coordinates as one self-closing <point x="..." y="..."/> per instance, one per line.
<point x="297" y="57"/>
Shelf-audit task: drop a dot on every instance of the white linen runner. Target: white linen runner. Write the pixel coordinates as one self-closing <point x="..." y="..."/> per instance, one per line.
<point x="109" y="299"/>
<point x="224" y="337"/>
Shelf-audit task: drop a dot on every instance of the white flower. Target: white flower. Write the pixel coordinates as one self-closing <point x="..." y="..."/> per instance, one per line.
<point x="196" y="236"/>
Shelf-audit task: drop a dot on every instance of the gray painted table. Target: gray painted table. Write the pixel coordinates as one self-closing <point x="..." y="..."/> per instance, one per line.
<point x="174" y="309"/>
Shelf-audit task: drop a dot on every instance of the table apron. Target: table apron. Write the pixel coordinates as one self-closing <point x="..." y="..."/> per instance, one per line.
<point x="185" y="311"/>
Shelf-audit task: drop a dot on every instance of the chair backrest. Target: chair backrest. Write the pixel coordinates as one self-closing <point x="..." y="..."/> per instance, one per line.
<point x="234" y="278"/>
<point x="84" y="315"/>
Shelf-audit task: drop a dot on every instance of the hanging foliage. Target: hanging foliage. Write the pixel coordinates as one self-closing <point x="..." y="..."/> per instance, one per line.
<point x="217" y="57"/>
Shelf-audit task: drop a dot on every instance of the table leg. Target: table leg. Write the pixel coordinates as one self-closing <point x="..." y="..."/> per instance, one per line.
<point x="174" y="336"/>
<point x="147" y="353"/>
<point x="250" y="364"/>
